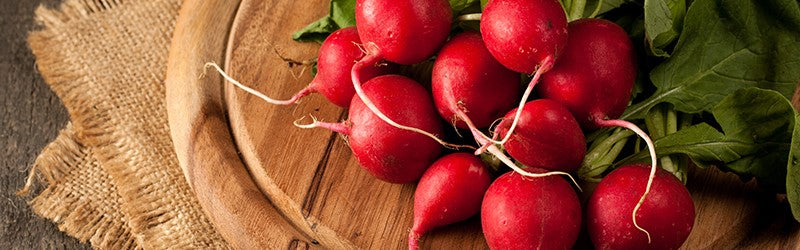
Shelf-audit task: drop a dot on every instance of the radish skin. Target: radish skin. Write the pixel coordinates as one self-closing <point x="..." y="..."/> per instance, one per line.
<point x="668" y="212"/>
<point x="526" y="36"/>
<point x="470" y="88"/>
<point x="451" y="190"/>
<point x="547" y="137"/>
<point x="404" y="32"/>
<point x="388" y="153"/>
<point x="530" y="213"/>
<point x="594" y="79"/>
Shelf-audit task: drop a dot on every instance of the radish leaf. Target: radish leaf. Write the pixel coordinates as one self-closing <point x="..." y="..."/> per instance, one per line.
<point x="663" y="20"/>
<point x="757" y="127"/>
<point x="726" y="46"/>
<point x="793" y="171"/>
<point x="342" y="14"/>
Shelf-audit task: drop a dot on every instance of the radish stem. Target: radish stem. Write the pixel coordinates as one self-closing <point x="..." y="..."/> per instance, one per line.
<point x="470" y="17"/>
<point x="596" y="9"/>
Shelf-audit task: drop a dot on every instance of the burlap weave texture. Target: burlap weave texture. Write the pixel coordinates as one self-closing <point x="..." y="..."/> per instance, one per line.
<point x="112" y="175"/>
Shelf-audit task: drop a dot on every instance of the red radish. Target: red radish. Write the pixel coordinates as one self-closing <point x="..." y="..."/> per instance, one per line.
<point x="530" y="213"/>
<point x="450" y="191"/>
<point x="667" y="213"/>
<point x="404" y="32"/>
<point x="470" y="88"/>
<point x="595" y="74"/>
<point x="468" y="84"/>
<point x="594" y="78"/>
<point x="547" y="137"/>
<point x="523" y="34"/>
<point x="388" y="153"/>
<point x="337" y="55"/>
<point x="526" y="36"/>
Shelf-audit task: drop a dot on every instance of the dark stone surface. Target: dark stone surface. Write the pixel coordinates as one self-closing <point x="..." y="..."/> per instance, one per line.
<point x="30" y="117"/>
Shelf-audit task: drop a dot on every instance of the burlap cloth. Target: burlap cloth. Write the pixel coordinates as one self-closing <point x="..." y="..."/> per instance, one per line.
<point x="112" y="177"/>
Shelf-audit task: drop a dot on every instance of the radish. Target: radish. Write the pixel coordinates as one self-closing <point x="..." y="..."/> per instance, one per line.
<point x="470" y="88"/>
<point x="404" y="32"/>
<point x="667" y="213"/>
<point x="337" y="55"/>
<point x="530" y="213"/>
<point x="388" y="153"/>
<point x="450" y="191"/>
<point x="594" y="78"/>
<point x="547" y="137"/>
<point x="595" y="74"/>
<point x="525" y="36"/>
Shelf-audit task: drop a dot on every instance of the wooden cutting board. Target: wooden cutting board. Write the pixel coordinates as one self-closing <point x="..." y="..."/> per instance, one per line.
<point x="267" y="184"/>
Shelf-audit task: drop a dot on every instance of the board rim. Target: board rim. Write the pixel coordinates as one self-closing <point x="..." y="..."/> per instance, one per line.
<point x="237" y="208"/>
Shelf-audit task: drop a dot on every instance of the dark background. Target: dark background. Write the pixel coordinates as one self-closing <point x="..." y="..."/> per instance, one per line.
<point x="30" y="117"/>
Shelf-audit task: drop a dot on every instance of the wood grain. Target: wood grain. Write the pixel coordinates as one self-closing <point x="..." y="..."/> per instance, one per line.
<point x="30" y="117"/>
<point x="227" y="194"/>
<point x="313" y="181"/>
<point x="310" y="169"/>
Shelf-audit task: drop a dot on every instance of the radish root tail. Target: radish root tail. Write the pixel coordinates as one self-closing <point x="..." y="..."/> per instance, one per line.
<point x="372" y="58"/>
<point x="335" y="127"/>
<point x="505" y="159"/>
<point x="500" y="155"/>
<point x="305" y="91"/>
<point x="413" y="240"/>
<point x="653" y="166"/>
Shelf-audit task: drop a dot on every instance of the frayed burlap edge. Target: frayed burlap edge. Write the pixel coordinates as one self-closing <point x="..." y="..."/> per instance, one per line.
<point x="94" y="126"/>
<point x="72" y="10"/>
<point x="62" y="200"/>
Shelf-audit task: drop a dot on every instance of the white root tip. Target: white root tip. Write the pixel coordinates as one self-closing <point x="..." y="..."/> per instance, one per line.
<point x="313" y="124"/>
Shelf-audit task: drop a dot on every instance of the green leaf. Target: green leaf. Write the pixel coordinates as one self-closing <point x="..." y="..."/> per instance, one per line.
<point x="316" y="31"/>
<point x="757" y="126"/>
<point x="793" y="171"/>
<point x="663" y="19"/>
<point x="607" y="5"/>
<point x="726" y="46"/>
<point x="460" y="5"/>
<point x="483" y="4"/>
<point x="764" y="118"/>
<point x="702" y="143"/>
<point x="342" y="14"/>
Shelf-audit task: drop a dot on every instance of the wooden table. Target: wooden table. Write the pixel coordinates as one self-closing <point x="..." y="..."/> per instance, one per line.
<point x="30" y="117"/>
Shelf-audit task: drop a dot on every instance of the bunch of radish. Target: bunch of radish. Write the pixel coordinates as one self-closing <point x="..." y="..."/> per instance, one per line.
<point x="583" y="72"/>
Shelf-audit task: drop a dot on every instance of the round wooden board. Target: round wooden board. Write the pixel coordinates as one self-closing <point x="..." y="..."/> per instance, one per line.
<point x="289" y="186"/>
